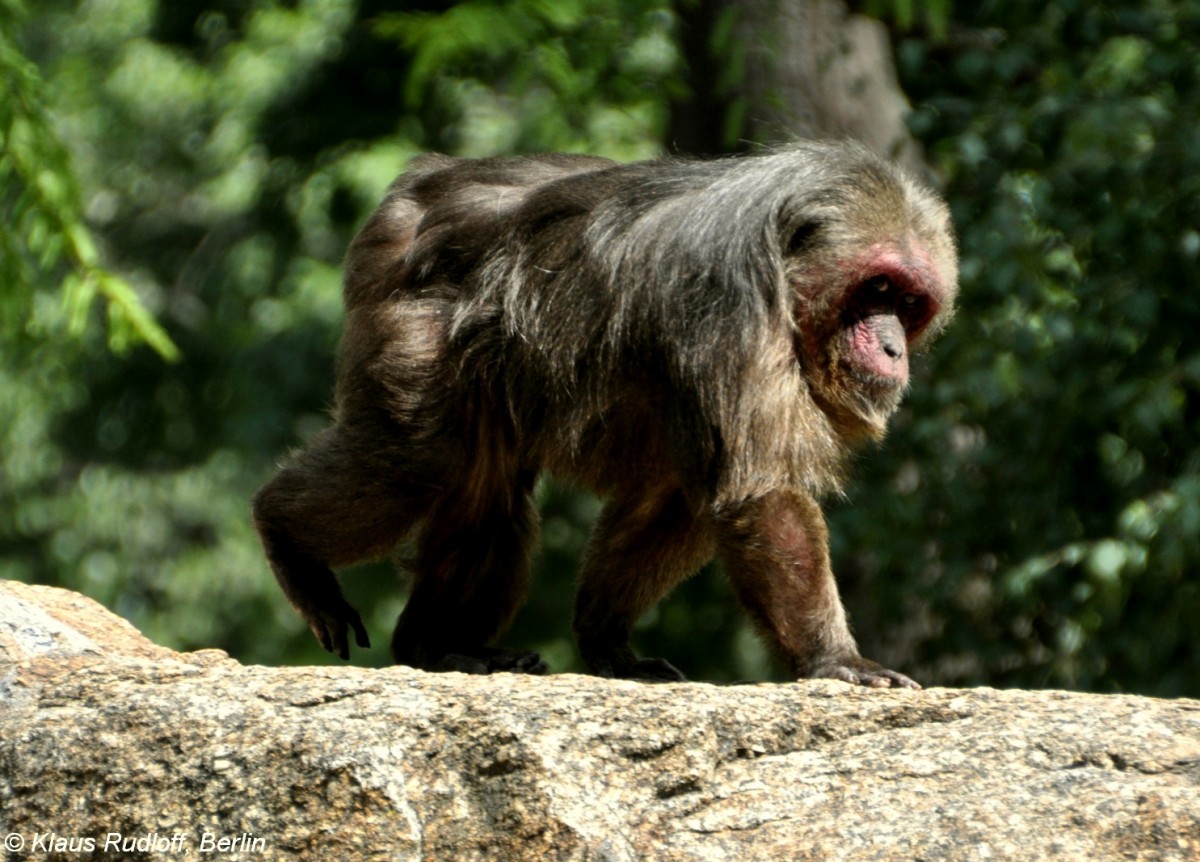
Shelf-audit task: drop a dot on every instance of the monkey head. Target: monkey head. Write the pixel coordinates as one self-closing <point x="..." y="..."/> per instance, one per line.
<point x="872" y="270"/>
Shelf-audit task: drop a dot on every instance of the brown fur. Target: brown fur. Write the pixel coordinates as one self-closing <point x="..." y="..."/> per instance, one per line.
<point x="699" y="342"/>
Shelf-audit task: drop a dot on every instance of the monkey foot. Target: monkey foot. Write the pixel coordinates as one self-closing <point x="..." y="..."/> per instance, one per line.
<point x="654" y="670"/>
<point x="861" y="671"/>
<point x="646" y="669"/>
<point x="485" y="660"/>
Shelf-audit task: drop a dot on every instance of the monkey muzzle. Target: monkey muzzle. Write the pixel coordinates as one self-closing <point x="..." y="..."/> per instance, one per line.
<point x="878" y="349"/>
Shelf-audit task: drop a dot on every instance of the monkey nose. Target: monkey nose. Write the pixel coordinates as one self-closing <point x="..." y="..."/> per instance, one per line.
<point x="893" y="348"/>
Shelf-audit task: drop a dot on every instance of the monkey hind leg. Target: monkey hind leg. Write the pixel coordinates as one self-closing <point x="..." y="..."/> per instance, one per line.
<point x="469" y="578"/>
<point x="638" y="551"/>
<point x="330" y="507"/>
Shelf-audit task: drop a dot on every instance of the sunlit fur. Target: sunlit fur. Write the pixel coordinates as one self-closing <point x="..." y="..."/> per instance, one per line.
<point x="665" y="333"/>
<point x="574" y="288"/>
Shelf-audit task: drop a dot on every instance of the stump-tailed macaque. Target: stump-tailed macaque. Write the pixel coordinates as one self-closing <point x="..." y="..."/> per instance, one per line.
<point x="699" y="342"/>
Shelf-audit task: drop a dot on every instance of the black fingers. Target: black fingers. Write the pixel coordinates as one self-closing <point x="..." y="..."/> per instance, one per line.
<point x="332" y="628"/>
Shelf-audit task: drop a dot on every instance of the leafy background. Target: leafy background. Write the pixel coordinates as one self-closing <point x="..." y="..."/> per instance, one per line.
<point x="179" y="180"/>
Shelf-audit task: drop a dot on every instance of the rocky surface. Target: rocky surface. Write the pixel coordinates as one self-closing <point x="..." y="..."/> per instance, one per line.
<point x="114" y="748"/>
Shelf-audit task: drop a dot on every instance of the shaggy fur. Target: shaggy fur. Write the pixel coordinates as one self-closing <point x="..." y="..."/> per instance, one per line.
<point x="699" y="342"/>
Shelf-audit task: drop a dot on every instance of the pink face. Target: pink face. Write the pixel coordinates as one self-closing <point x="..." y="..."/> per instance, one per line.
<point x="894" y="296"/>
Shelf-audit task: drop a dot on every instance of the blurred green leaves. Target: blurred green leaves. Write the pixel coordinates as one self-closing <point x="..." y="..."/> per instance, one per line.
<point x="1065" y="133"/>
<point x="45" y="236"/>
<point x="536" y="75"/>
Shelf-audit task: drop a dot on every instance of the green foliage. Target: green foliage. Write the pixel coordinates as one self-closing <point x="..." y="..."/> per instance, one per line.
<point x="1064" y="413"/>
<point x="123" y="476"/>
<point x="909" y="15"/>
<point x="45" y="231"/>
<point x="537" y="75"/>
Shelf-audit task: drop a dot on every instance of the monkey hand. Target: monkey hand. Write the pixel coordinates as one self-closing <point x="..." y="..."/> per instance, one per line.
<point x="859" y="671"/>
<point x="331" y="621"/>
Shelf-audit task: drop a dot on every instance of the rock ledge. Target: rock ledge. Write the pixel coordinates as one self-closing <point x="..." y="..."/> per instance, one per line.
<point x="114" y="748"/>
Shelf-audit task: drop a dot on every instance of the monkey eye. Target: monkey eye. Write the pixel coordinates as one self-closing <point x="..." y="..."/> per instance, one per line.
<point x="909" y="299"/>
<point x="879" y="284"/>
<point x="802" y="237"/>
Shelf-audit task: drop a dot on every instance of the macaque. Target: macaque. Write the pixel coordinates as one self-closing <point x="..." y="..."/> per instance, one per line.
<point x="701" y="343"/>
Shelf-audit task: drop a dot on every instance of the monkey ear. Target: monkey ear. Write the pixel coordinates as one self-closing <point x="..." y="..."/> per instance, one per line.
<point x="800" y="238"/>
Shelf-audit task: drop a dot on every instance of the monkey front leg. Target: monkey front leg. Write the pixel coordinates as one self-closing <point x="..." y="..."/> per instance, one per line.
<point x="776" y="552"/>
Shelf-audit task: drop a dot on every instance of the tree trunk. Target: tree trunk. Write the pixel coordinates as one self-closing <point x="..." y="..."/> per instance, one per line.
<point x="767" y="71"/>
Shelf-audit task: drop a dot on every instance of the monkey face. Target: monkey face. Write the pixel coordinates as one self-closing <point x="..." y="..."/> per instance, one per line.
<point x="883" y="315"/>
<point x="886" y="304"/>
